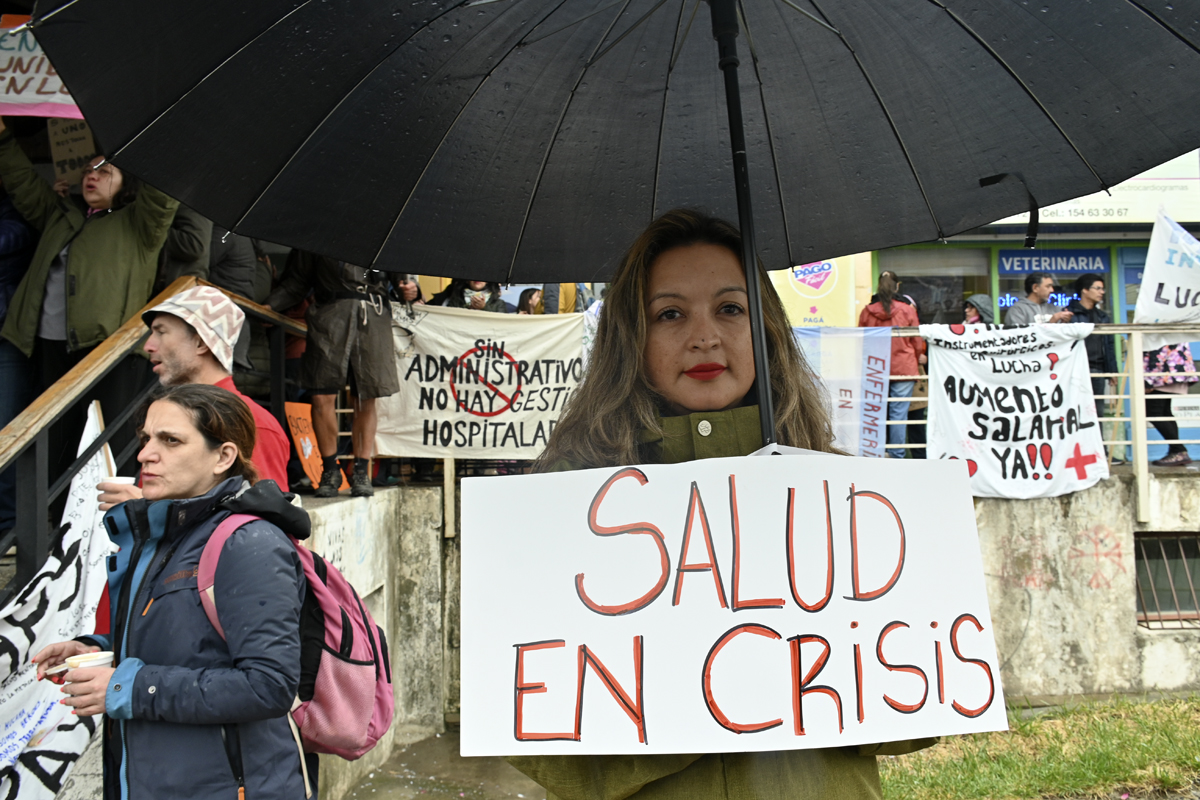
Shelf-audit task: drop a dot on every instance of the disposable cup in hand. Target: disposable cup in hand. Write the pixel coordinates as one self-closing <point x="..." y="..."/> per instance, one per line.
<point x="104" y="658"/>
<point x="119" y="479"/>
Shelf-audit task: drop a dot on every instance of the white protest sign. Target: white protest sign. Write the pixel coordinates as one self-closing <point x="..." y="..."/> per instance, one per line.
<point x="1170" y="282"/>
<point x="608" y="625"/>
<point x="1017" y="405"/>
<point x="39" y="738"/>
<point x="475" y="384"/>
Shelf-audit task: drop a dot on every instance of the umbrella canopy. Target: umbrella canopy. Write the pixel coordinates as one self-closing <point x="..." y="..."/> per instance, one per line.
<point x="530" y="140"/>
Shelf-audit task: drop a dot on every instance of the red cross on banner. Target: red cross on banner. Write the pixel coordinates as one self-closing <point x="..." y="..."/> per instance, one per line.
<point x="1079" y="462"/>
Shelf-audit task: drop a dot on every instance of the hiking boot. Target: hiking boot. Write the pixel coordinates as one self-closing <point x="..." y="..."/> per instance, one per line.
<point x="331" y="482"/>
<point x="360" y="484"/>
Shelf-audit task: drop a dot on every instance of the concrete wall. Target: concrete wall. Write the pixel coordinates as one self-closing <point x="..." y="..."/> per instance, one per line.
<point x="390" y="548"/>
<point x="1062" y="586"/>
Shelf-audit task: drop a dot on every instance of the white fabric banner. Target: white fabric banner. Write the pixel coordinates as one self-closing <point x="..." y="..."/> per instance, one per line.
<point x="475" y="384"/>
<point x="854" y="364"/>
<point x="1170" y="282"/>
<point x="39" y="738"/>
<point x="1017" y="405"/>
<point x="862" y="610"/>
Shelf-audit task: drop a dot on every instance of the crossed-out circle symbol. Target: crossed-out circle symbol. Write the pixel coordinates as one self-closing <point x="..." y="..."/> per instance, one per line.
<point x="508" y="401"/>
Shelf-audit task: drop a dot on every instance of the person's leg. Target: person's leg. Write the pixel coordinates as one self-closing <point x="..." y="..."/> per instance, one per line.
<point x="1160" y="406"/>
<point x="916" y="430"/>
<point x="362" y="435"/>
<point x="1099" y="387"/>
<point x="324" y="421"/>
<point x="363" y="431"/>
<point x="898" y="412"/>
<point x="325" y="429"/>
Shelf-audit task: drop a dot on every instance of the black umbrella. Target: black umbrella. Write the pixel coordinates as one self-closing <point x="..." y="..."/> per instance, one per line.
<point x="529" y="140"/>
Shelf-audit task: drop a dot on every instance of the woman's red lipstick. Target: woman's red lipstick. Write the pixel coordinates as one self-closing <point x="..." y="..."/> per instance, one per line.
<point x="705" y="372"/>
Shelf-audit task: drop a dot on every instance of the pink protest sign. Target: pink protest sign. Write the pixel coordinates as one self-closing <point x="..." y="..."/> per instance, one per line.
<point x="29" y="84"/>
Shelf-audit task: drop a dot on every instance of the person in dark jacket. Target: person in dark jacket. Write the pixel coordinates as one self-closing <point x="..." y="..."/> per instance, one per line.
<point x="476" y="295"/>
<point x="17" y="243"/>
<point x="186" y="250"/>
<point x="1102" y="356"/>
<point x="184" y="704"/>
<point x="978" y="308"/>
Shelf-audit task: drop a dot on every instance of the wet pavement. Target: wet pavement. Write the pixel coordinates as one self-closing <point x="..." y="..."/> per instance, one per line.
<point x="432" y="769"/>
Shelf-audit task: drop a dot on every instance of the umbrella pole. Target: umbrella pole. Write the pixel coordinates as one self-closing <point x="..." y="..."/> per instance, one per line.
<point x="725" y="31"/>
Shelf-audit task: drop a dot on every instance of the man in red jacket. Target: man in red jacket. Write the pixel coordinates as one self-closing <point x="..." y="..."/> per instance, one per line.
<point x="191" y="341"/>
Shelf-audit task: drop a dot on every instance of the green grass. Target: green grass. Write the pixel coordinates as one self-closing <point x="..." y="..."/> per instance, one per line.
<point x="1091" y="750"/>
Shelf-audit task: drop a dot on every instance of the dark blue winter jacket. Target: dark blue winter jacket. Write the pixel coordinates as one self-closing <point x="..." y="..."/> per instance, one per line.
<point x="184" y="703"/>
<point x="17" y="243"/>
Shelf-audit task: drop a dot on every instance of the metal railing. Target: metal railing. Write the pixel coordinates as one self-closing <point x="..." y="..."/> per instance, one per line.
<point x="1166" y="580"/>
<point x="25" y="441"/>
<point x="1126" y="428"/>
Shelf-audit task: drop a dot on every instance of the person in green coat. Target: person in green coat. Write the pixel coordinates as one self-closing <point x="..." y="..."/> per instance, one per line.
<point x="93" y="269"/>
<point x="671" y="379"/>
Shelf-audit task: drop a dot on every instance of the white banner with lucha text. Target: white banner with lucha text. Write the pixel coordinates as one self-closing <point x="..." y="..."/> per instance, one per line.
<point x="1016" y="404"/>
<point x="780" y="602"/>
<point x="476" y="384"/>
<point x="1170" y="282"/>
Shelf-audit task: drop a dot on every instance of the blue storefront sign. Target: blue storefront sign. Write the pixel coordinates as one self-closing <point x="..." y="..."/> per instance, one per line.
<point x="1057" y="262"/>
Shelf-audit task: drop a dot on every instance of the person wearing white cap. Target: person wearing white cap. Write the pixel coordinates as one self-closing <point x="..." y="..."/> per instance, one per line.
<point x="191" y="341"/>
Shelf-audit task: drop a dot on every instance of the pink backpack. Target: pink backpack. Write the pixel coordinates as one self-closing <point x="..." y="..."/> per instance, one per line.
<point x="345" y="701"/>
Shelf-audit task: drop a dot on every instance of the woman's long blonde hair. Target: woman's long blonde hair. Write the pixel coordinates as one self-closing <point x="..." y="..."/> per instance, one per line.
<point x="614" y="403"/>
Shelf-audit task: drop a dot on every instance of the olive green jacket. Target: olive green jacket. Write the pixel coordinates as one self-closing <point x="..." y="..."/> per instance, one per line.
<point x="846" y="773"/>
<point x="112" y="261"/>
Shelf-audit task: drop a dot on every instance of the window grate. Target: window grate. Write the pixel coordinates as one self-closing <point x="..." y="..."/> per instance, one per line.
<point x="1168" y="569"/>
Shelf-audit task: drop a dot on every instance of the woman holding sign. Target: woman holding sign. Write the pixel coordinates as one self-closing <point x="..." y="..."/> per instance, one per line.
<point x="672" y="380"/>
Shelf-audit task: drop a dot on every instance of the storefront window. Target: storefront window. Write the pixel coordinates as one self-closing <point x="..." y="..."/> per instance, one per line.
<point x="939" y="279"/>
<point x="1062" y="264"/>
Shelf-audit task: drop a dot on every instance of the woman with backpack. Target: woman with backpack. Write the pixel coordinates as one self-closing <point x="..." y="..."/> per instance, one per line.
<point x="194" y="711"/>
<point x="671" y="379"/>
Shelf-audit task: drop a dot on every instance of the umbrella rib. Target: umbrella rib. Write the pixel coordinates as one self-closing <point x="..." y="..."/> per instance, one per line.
<point x="211" y="72"/>
<point x="527" y="42"/>
<point x="553" y="136"/>
<point x="815" y="19"/>
<point x="449" y="128"/>
<point x="1136" y="4"/>
<point x="676" y="50"/>
<point x="787" y="234"/>
<point x="33" y="23"/>
<point x="1012" y="73"/>
<point x="891" y="123"/>
<point x="630" y="30"/>
<point x="333" y="110"/>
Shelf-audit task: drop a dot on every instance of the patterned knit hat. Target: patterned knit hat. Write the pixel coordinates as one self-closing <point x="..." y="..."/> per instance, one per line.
<point x="211" y="313"/>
